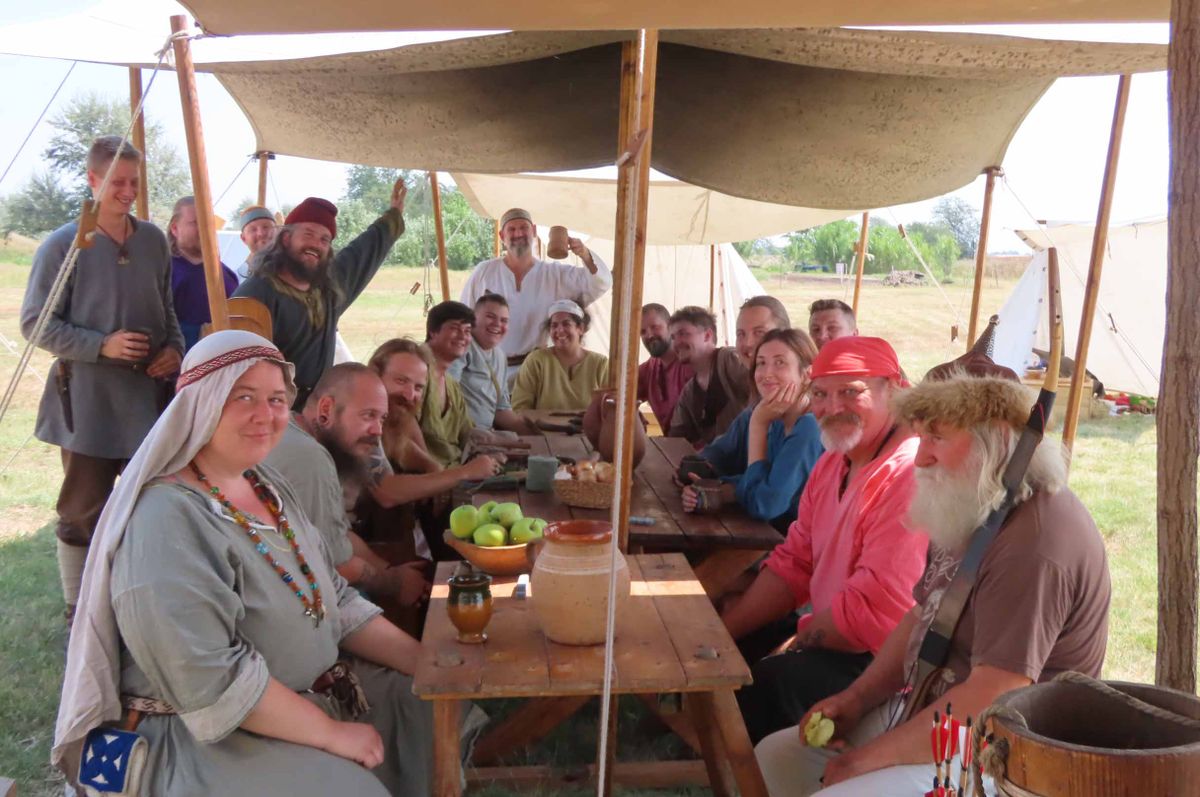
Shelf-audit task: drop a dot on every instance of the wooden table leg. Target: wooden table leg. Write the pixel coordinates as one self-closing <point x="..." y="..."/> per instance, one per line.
<point x="722" y="567"/>
<point x="680" y="723"/>
<point x="737" y="744"/>
<point x="447" y="756"/>
<point x="529" y="722"/>
<point x="700" y="712"/>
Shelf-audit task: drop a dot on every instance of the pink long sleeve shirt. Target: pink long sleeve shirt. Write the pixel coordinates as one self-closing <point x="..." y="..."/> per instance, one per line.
<point x="854" y="554"/>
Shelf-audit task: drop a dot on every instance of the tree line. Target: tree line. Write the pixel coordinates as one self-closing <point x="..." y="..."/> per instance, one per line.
<point x="952" y="233"/>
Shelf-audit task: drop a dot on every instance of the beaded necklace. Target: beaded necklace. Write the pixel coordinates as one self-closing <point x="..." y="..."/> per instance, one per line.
<point x="314" y="607"/>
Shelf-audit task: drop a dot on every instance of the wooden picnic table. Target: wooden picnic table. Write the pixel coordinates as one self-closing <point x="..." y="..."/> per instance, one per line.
<point x="721" y="546"/>
<point x="670" y="641"/>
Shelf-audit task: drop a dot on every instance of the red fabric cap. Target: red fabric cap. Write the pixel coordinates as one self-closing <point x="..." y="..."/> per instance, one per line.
<point x="856" y="355"/>
<point x="318" y="211"/>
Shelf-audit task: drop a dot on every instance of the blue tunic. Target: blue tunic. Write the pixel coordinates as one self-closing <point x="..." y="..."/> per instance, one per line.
<point x="770" y="488"/>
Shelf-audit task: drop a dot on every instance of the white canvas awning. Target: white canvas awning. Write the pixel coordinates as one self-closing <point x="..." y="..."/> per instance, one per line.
<point x="678" y="213"/>
<point x="300" y="16"/>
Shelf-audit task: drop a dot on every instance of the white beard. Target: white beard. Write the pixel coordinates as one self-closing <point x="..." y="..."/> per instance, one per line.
<point x="947" y="506"/>
<point x="839" y="441"/>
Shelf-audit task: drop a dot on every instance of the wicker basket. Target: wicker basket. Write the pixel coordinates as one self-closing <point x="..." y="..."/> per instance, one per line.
<point x="586" y="495"/>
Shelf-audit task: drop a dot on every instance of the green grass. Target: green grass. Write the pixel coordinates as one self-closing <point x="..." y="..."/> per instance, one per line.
<point x="1113" y="473"/>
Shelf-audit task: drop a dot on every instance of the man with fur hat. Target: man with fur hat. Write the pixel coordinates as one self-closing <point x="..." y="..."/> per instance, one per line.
<point x="1038" y="605"/>
<point x="849" y="554"/>
<point x="307" y="287"/>
<point x="530" y="285"/>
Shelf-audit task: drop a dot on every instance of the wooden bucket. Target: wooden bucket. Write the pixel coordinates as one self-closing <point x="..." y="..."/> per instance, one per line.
<point x="1083" y="743"/>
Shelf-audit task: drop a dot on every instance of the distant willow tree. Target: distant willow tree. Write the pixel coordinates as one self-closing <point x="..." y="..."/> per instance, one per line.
<point x="53" y="197"/>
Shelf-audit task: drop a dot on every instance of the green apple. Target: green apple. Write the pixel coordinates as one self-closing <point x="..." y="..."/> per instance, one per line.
<point x="539" y="525"/>
<point x="523" y="531"/>
<point x="490" y="535"/>
<point x="507" y="514"/>
<point x="818" y="731"/>
<point x="463" y="521"/>
<point x="485" y="512"/>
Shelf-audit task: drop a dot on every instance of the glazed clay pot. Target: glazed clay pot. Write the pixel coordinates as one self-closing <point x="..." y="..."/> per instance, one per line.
<point x="600" y="427"/>
<point x="470" y="605"/>
<point x="569" y="583"/>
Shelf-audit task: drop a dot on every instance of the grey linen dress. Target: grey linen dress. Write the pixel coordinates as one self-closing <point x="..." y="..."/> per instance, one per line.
<point x="204" y="619"/>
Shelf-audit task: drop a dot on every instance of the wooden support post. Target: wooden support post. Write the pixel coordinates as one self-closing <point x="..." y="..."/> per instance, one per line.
<point x="712" y="276"/>
<point x="139" y="141"/>
<point x="1091" y="291"/>
<point x="213" y="278"/>
<point x="443" y="269"/>
<point x="860" y="258"/>
<point x="985" y="221"/>
<point x="633" y="185"/>
<point x="1178" y="413"/>
<point x="496" y="240"/>
<point x="264" y="158"/>
<point x="626" y="113"/>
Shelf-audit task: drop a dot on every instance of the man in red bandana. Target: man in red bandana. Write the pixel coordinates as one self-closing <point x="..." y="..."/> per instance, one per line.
<point x="307" y="286"/>
<point x="848" y="556"/>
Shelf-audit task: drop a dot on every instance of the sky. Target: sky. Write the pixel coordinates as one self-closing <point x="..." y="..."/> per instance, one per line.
<point x="1054" y="165"/>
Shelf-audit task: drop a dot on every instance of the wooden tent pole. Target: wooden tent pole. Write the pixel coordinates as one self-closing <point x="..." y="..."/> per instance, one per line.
<point x="264" y="158"/>
<point x="496" y="238"/>
<point x="443" y="269"/>
<point x="213" y="279"/>
<point x="639" y="64"/>
<point x="626" y="113"/>
<point x="1091" y="291"/>
<point x="139" y="141"/>
<point x="860" y="259"/>
<point x="1178" y="413"/>
<point x="985" y="223"/>
<point x="712" y="276"/>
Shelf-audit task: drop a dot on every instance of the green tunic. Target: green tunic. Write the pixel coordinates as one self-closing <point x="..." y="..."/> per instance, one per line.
<point x="543" y="383"/>
<point x="204" y="619"/>
<point x="445" y="427"/>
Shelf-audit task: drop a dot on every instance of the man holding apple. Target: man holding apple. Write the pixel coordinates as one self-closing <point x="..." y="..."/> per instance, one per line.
<point x="1038" y="605"/>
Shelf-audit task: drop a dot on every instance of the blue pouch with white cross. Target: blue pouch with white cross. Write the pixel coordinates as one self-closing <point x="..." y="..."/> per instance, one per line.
<point x="112" y="762"/>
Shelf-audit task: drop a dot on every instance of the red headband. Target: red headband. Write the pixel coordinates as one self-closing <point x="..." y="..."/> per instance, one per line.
<point x="856" y="355"/>
<point x="207" y="367"/>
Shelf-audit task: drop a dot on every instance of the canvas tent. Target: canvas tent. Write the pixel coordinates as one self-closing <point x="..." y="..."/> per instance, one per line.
<point x="842" y="118"/>
<point x="301" y="16"/>
<point x="1125" y="352"/>
<point x="678" y="213"/>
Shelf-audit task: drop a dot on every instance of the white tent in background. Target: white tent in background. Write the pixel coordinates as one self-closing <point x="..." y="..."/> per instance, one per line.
<point x="1125" y="352"/>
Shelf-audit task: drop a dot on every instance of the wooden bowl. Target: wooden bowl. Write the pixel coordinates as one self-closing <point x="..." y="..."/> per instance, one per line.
<point x="499" y="560"/>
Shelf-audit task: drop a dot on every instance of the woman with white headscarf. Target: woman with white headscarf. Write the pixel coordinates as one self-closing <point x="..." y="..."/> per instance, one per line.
<point x="563" y="375"/>
<point x="212" y="621"/>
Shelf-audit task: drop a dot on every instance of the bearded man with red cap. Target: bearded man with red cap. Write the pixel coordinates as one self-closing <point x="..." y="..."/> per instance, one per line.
<point x="1037" y="606"/>
<point x="307" y="287"/>
<point x="849" y="554"/>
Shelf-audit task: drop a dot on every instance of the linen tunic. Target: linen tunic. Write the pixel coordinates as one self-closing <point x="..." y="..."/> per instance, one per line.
<point x="445" y="427"/>
<point x="481" y="376"/>
<point x="546" y="282"/>
<point x="311" y="350"/>
<point x="204" y="620"/>
<point x="190" y="291"/>
<point x="102" y="297"/>
<point x="770" y="488"/>
<point x="853" y="553"/>
<point x="703" y="414"/>
<point x="543" y="383"/>
<point x="309" y="469"/>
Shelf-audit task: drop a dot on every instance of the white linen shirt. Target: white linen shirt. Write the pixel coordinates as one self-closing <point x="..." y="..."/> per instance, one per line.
<point x="546" y="283"/>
